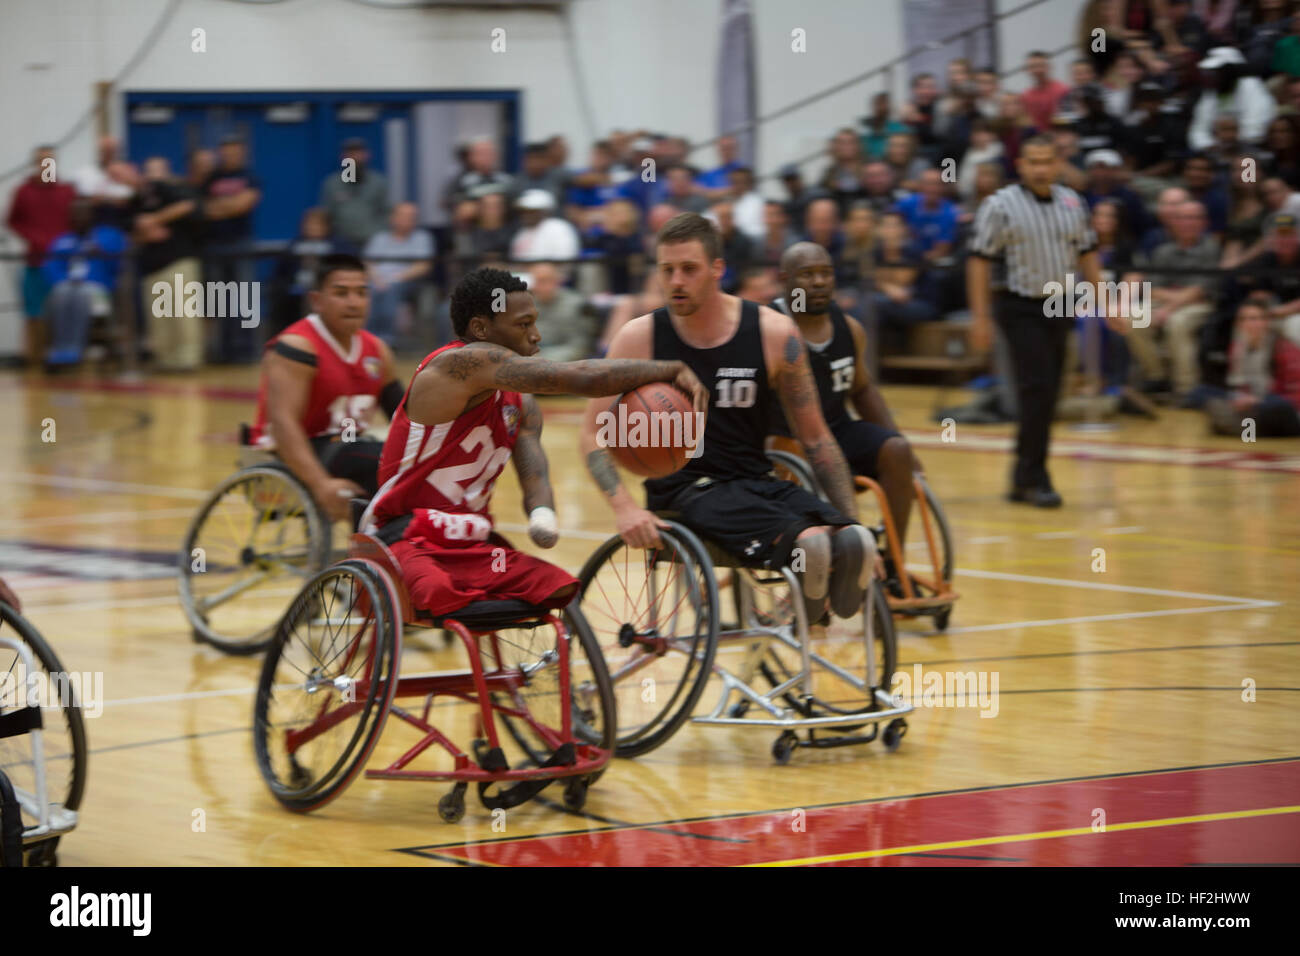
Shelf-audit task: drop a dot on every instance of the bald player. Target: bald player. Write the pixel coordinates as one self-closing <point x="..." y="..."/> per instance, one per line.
<point x="836" y="345"/>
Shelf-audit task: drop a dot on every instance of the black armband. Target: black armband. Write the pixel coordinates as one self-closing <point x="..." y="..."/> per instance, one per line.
<point x="293" y="354"/>
<point x="391" y="397"/>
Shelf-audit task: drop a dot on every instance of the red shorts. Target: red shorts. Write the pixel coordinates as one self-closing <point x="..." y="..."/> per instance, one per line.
<point x="444" y="579"/>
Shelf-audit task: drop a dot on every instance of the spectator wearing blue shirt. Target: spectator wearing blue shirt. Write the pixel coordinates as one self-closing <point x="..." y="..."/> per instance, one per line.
<point x="81" y="282"/>
<point x="1103" y="167"/>
<point x="1198" y="180"/>
<point x="647" y="187"/>
<point x="593" y="187"/>
<point x="931" y="217"/>
<point x="716" y="183"/>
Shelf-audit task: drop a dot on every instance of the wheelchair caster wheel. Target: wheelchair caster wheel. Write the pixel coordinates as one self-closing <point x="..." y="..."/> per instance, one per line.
<point x="941" y="619"/>
<point x="784" y="747"/>
<point x="451" y="806"/>
<point x="575" y="794"/>
<point x="893" y="734"/>
<point x="739" y="709"/>
<point x="42" y="855"/>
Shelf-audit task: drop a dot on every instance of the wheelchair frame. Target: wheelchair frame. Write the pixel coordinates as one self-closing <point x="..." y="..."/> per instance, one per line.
<point x="578" y="762"/>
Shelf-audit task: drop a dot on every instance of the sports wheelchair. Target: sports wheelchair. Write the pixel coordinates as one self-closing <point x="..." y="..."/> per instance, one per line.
<point x="658" y="617"/>
<point x="329" y="682"/>
<point x="923" y="595"/>
<point x="257" y="537"/>
<point x="43" y="750"/>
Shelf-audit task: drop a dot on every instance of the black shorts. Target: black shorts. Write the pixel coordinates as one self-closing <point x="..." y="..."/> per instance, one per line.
<point x="861" y="442"/>
<point x="354" y="460"/>
<point x="755" y="520"/>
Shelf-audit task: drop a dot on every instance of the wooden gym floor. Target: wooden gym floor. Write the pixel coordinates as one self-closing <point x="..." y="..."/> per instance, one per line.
<point x="1120" y="691"/>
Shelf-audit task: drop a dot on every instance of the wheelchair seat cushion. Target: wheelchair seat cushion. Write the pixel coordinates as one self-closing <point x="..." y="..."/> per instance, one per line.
<point x="490" y="615"/>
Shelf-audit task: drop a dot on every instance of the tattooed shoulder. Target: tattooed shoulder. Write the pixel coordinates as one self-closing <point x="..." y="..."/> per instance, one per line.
<point x="793" y="349"/>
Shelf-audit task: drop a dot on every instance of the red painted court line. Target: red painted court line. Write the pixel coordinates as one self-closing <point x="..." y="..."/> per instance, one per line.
<point x="879" y="830"/>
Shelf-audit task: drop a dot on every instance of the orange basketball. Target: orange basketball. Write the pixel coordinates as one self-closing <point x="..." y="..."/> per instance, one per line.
<point x="650" y="429"/>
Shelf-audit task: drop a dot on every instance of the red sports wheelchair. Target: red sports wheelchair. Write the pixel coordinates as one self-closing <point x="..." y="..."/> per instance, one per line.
<point x="329" y="682"/>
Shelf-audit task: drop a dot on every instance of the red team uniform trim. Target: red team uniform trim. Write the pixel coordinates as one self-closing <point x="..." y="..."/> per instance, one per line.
<point x="346" y="385"/>
<point x="442" y="476"/>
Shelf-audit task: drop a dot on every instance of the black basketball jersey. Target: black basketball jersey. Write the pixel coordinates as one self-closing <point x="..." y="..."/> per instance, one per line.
<point x="832" y="365"/>
<point x="739" y="398"/>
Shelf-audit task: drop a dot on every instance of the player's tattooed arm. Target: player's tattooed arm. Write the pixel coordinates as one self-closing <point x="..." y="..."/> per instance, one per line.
<point x="530" y="460"/>
<point x="802" y="406"/>
<point x="593" y="378"/>
<point x="601" y="466"/>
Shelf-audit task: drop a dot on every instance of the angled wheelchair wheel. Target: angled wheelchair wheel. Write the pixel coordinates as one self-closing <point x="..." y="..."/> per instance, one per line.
<point x="248" y="551"/>
<point x="326" y="684"/>
<point x="63" y="729"/>
<point x="654" y="615"/>
<point x="790" y="467"/>
<point x="943" y="536"/>
<point x="846" y="648"/>
<point x="536" y="727"/>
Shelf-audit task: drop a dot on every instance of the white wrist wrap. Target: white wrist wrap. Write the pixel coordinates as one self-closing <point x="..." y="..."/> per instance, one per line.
<point x="542" y="527"/>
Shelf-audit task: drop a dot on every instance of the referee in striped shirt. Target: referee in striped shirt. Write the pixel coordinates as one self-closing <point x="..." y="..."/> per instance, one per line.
<point x="1035" y="232"/>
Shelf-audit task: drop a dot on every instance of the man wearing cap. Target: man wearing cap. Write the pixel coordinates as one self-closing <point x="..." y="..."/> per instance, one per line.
<point x="355" y="196"/>
<point x="1097" y="129"/>
<point x="1104" y="182"/>
<point x="1278" y="271"/>
<point x="538" y="173"/>
<point x="1228" y="90"/>
<point x="542" y="235"/>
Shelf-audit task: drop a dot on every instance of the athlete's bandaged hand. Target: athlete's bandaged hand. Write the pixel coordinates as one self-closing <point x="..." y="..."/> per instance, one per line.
<point x="542" y="527"/>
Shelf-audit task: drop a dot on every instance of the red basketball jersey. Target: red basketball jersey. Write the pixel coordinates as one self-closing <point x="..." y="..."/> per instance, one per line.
<point x="449" y="468"/>
<point x="346" y="384"/>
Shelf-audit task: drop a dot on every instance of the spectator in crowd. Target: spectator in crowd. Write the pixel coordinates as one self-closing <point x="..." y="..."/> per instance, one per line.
<point x="641" y="188"/>
<point x="557" y="152"/>
<point x="481" y="173"/>
<point x="988" y="95"/>
<point x="985" y="147"/>
<point x="777" y="235"/>
<point x="1012" y="126"/>
<point x="919" y="112"/>
<point x="858" y="257"/>
<point x="1286" y="53"/>
<point x="798" y="195"/>
<point x="628" y="307"/>
<point x="1277" y="272"/>
<point x="840" y="179"/>
<point x="593" y="187"/>
<point x="1155" y="146"/>
<point x="931" y="217"/>
<point x="1083" y="75"/>
<point x="397" y="258"/>
<point x="897" y="273"/>
<point x="81" y="269"/>
<point x="822" y="226"/>
<point x="759" y="284"/>
<point x="1114" y="244"/>
<point x="1097" y="129"/>
<point x="1180" y="302"/>
<point x="1167" y="204"/>
<point x="166" y="224"/>
<point x="230" y="195"/>
<point x="738" y="250"/>
<point x="1290" y="99"/>
<point x="543" y="235"/>
<point x="38" y="213"/>
<point x="681" y="193"/>
<point x="1227" y="145"/>
<point x="1181" y="30"/>
<point x="1121" y="83"/>
<point x="989" y="178"/>
<point x="878" y="127"/>
<point x="200" y="165"/>
<point x="715" y="183"/>
<point x="491" y="232"/>
<point x="563" y="318"/>
<point x="295" y="272"/>
<point x="959" y="97"/>
<point x="901" y="155"/>
<point x="1270" y="24"/>
<point x="1281" y="157"/>
<point x="878" y="187"/>
<point x="1263" y="379"/>
<point x="615" y="235"/>
<point x="538" y="173"/>
<point x="1247" y="211"/>
<point x="1044" y="94"/>
<point x="1105" y="170"/>
<point x="354" y="197"/>
<point x="746" y="203"/>
<point x="1280" y="198"/>
<point x="109" y="184"/>
<point x="1199" y="181"/>
<point x="1229" y="89"/>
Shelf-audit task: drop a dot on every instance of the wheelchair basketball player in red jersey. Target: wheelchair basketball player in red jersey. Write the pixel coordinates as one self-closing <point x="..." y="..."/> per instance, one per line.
<point x="321" y="378"/>
<point x="465" y="413"/>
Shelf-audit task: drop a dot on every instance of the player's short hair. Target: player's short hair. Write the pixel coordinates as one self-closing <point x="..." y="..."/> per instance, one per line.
<point x="474" y="295"/>
<point x="688" y="226"/>
<point x="1039" y="139"/>
<point x="337" y="262"/>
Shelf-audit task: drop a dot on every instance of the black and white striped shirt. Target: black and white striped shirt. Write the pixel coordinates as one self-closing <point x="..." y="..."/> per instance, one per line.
<point x="1039" y="239"/>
